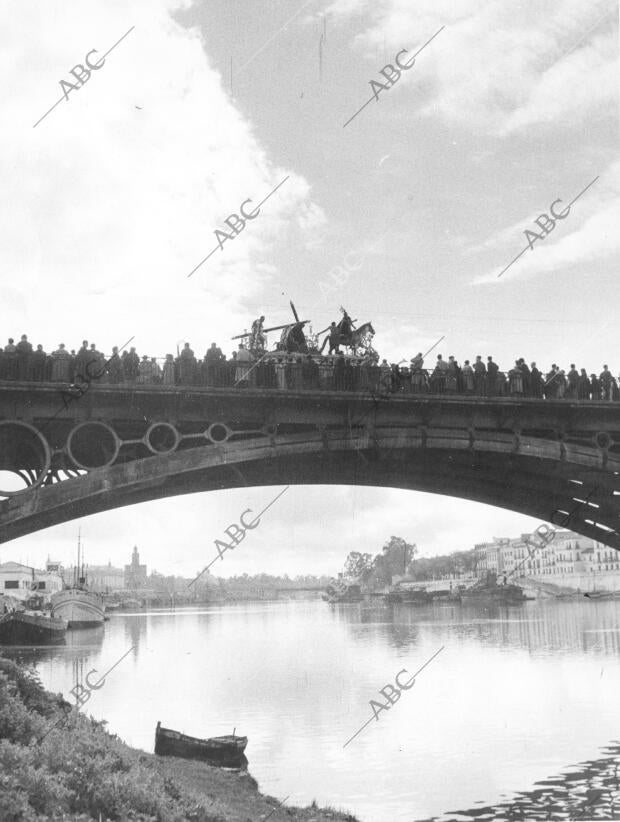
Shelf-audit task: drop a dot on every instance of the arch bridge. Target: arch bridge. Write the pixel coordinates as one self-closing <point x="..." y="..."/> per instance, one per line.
<point x="117" y="445"/>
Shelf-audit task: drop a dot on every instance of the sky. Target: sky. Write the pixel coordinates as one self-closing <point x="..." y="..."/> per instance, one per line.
<point x="405" y="215"/>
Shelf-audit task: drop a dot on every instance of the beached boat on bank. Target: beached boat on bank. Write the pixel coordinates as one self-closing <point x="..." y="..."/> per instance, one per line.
<point x="24" y="628"/>
<point x="218" y="750"/>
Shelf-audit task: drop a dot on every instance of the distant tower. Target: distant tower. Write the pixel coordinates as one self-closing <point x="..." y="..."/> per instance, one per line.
<point x="135" y="574"/>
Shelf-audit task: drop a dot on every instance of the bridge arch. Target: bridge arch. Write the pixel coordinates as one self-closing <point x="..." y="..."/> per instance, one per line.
<point x="555" y="461"/>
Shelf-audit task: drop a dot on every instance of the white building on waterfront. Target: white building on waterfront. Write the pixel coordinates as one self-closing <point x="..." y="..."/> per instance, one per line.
<point x="567" y="560"/>
<point x="22" y="581"/>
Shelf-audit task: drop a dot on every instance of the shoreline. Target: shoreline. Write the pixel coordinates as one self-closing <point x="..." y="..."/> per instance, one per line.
<point x="80" y="771"/>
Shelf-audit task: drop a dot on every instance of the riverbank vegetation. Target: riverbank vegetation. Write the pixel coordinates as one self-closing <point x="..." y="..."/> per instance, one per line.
<point x="75" y="770"/>
<point x="398" y="558"/>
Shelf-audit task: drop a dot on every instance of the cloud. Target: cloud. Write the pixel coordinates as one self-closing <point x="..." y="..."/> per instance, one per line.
<point x="107" y="207"/>
<point x="496" y="71"/>
<point x="588" y="234"/>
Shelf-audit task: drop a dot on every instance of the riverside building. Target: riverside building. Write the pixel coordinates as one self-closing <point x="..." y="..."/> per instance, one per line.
<point x="568" y="560"/>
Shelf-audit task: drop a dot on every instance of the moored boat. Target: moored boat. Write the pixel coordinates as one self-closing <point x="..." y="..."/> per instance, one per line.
<point x="343" y="592"/>
<point x="603" y="595"/>
<point x="218" y="750"/>
<point x="409" y="596"/>
<point x="79" y="606"/>
<point x="489" y="591"/>
<point x="23" y="628"/>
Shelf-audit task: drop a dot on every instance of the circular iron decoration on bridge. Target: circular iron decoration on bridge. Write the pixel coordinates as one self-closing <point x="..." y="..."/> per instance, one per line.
<point x="218" y="432"/>
<point x="93" y="445"/>
<point x="603" y="440"/>
<point x="24" y="456"/>
<point x="162" y="438"/>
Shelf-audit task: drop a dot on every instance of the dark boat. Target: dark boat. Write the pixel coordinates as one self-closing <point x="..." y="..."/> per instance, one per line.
<point x="219" y="750"/>
<point x="343" y="592"/>
<point x="603" y="595"/>
<point x="409" y="596"/>
<point x="21" y="628"/>
<point x="490" y="591"/>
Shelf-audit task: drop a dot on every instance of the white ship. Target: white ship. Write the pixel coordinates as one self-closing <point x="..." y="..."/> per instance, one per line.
<point x="77" y="605"/>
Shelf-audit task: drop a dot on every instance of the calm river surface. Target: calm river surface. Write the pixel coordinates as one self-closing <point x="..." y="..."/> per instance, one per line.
<point x="517" y="694"/>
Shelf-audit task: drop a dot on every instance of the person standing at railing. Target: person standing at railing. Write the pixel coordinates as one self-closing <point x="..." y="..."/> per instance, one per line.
<point x="38" y="365"/>
<point x="451" y="376"/>
<point x="468" y="378"/>
<point x="604" y="380"/>
<point x="561" y="389"/>
<point x="405" y="380"/>
<point x="61" y="365"/>
<point x="24" y="352"/>
<point x="595" y="387"/>
<point x="515" y="380"/>
<point x="156" y="371"/>
<point x="187" y="366"/>
<point x="244" y="361"/>
<point x="573" y="382"/>
<point x="96" y="363"/>
<point x="492" y="369"/>
<point x="10" y="360"/>
<point x="480" y="373"/>
<point x="131" y="365"/>
<point x="213" y="359"/>
<point x="583" y="386"/>
<point x="527" y="381"/>
<point x="114" y="368"/>
<point x="168" y="370"/>
<point x="438" y="377"/>
<point x="536" y="381"/>
<point x="418" y="376"/>
<point x="551" y="385"/>
<point x="145" y="371"/>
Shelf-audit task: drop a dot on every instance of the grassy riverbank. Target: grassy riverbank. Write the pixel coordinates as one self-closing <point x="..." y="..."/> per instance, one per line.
<point x="78" y="771"/>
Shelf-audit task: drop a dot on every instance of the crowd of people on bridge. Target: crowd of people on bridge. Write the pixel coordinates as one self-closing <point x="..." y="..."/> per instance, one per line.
<point x="282" y="370"/>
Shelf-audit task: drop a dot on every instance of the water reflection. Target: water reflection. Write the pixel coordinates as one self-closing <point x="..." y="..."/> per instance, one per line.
<point x="518" y="693"/>
<point x="589" y="791"/>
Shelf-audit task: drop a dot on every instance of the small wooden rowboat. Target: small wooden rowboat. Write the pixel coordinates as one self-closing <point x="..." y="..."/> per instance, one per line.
<point x="218" y="750"/>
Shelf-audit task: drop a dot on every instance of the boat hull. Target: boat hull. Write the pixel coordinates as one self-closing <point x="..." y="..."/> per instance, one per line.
<point x="498" y="596"/>
<point x="219" y="750"/>
<point x="31" y="629"/>
<point x="81" y="609"/>
<point x="409" y="597"/>
<point x="344" y="598"/>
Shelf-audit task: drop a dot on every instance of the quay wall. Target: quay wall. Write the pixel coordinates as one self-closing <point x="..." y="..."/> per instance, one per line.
<point x="606" y="581"/>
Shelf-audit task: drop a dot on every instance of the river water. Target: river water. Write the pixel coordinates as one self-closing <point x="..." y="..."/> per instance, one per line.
<point x="517" y="694"/>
